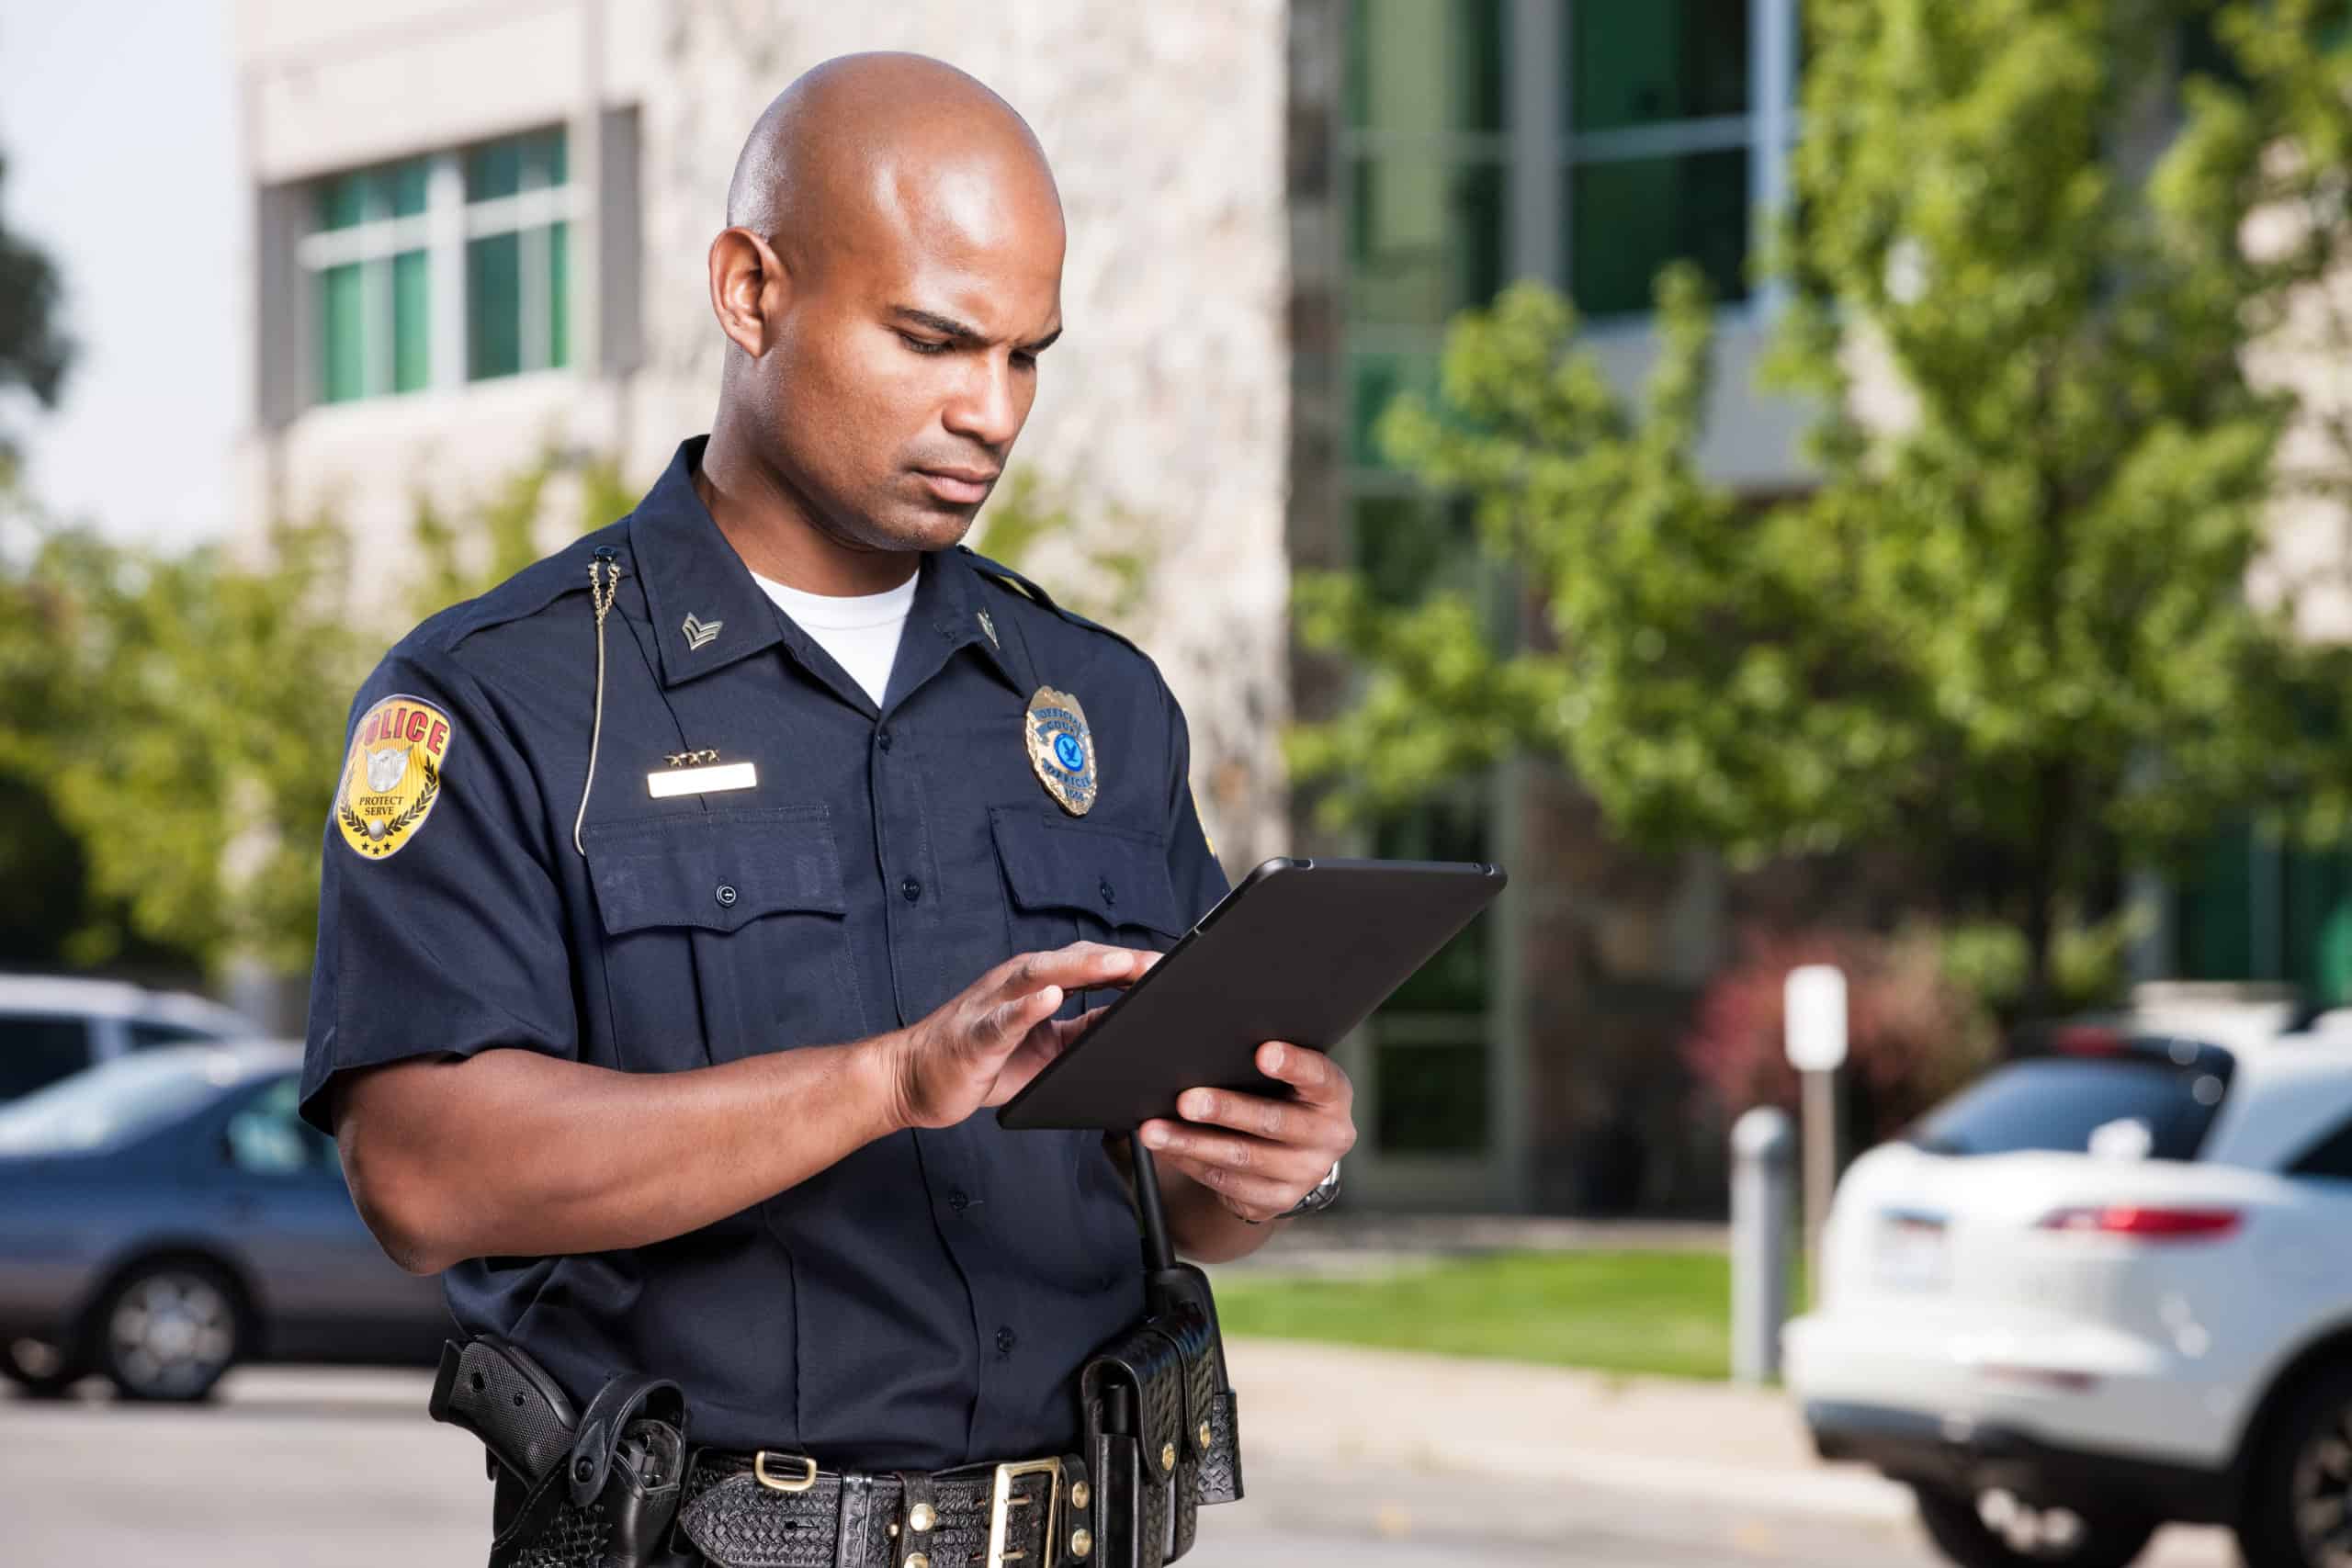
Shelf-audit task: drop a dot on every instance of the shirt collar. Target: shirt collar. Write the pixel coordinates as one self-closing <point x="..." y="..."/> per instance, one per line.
<point x="697" y="587"/>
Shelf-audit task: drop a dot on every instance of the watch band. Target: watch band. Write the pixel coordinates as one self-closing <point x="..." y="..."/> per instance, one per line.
<point x="1317" y="1199"/>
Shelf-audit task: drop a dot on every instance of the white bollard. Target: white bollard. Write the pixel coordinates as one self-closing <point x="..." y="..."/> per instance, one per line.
<point x="1763" y="1164"/>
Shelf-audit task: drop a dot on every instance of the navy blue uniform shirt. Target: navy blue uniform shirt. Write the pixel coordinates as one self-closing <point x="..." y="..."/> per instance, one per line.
<point x="926" y="1301"/>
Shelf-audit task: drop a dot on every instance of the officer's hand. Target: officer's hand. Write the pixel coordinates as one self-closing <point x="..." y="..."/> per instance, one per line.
<point x="981" y="1046"/>
<point x="1276" y="1150"/>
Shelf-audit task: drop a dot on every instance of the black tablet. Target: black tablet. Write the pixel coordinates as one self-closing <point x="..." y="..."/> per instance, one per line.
<point x="1301" y="952"/>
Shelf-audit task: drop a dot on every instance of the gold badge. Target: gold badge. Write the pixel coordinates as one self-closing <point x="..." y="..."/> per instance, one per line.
<point x="1062" y="749"/>
<point x="393" y="775"/>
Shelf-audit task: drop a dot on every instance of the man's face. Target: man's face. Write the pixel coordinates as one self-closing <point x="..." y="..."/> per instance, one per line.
<point x="906" y="359"/>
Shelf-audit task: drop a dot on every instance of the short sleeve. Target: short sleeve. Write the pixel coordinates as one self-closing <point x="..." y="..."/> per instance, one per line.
<point x="441" y="930"/>
<point x="1191" y="865"/>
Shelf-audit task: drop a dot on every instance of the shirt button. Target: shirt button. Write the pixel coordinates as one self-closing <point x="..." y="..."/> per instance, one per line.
<point x="1108" y="897"/>
<point x="883" y="739"/>
<point x="725" y="895"/>
<point x="911" y="889"/>
<point x="1005" y="1340"/>
<point x="958" y="1199"/>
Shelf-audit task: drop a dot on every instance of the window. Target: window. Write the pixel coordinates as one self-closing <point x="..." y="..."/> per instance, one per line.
<point x="268" y="1138"/>
<point x="2083" y="1104"/>
<point x="437" y="270"/>
<point x="145" y="1035"/>
<point x="1665" y="145"/>
<point x="2330" y="1156"/>
<point x="36" y="1050"/>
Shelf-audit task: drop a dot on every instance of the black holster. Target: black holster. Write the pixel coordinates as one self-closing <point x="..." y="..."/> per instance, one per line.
<point x="598" y="1490"/>
<point x="1162" y="1430"/>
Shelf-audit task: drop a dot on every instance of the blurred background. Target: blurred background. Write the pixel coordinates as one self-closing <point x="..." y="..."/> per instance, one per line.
<point x="1799" y="481"/>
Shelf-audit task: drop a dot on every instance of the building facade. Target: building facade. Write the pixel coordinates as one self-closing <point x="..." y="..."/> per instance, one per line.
<point x="480" y="235"/>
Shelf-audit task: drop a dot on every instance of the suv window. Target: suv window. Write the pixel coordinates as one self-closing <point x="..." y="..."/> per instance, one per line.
<point x="37" y="1049"/>
<point x="2145" y="1104"/>
<point x="2331" y="1156"/>
<point x="268" y="1138"/>
<point x="145" y="1033"/>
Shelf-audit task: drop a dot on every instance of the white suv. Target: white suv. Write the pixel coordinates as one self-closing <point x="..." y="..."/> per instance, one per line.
<point x="51" y="1026"/>
<point x="2104" y="1288"/>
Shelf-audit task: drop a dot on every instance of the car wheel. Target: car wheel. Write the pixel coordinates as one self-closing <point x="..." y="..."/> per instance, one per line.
<point x="41" y="1370"/>
<point x="2298" y="1498"/>
<point x="1998" y="1529"/>
<point x="169" y="1330"/>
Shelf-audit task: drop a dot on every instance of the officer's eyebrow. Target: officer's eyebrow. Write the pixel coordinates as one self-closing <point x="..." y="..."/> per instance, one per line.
<point x="961" y="335"/>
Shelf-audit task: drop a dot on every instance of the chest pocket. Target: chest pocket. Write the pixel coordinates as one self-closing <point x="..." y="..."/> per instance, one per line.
<point x="1069" y="881"/>
<point x="732" y="920"/>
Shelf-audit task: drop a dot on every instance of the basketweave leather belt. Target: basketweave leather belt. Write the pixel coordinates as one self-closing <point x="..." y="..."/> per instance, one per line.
<point x="775" y="1510"/>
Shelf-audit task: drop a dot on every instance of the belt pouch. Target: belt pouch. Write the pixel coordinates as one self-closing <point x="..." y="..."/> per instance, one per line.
<point x="1140" y="1388"/>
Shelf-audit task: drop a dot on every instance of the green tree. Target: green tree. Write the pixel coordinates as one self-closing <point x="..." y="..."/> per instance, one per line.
<point x="180" y="716"/>
<point x="2008" y="626"/>
<point x="34" y="350"/>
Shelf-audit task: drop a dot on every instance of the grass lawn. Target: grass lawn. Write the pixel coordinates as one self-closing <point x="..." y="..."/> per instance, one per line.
<point x="1628" y="1312"/>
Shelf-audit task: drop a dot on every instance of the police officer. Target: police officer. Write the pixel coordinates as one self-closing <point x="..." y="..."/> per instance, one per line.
<point x="691" y="895"/>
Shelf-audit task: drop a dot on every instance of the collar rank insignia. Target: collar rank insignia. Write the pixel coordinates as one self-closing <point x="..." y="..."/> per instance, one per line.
<point x="989" y="626"/>
<point x="393" y="775"/>
<point x="699" y="632"/>
<point x="1061" y="747"/>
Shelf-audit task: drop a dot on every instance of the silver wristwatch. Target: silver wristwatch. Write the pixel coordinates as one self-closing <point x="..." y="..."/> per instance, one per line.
<point x="1318" y="1197"/>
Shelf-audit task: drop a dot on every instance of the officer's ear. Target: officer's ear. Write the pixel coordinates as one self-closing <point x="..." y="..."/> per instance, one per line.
<point x="747" y="288"/>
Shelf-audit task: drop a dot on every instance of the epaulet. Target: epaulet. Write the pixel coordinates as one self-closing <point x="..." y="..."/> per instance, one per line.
<point x="529" y="591"/>
<point x="1005" y="576"/>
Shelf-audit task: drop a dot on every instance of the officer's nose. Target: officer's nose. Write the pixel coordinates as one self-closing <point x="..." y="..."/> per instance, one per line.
<point x="989" y="404"/>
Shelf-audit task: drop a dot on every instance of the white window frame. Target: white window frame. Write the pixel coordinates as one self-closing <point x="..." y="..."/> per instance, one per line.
<point x="442" y="232"/>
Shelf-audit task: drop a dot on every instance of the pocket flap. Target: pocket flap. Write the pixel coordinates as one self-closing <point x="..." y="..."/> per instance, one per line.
<point x="1114" y="873"/>
<point x="716" y="869"/>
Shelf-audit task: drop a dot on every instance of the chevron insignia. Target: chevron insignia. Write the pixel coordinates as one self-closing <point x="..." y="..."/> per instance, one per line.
<point x="699" y="632"/>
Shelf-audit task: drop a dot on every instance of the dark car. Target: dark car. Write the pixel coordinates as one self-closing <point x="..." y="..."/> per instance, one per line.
<point x="166" y="1214"/>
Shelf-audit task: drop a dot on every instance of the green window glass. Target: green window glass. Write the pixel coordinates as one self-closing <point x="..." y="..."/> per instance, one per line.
<point x="342" y="202"/>
<point x="493" y="306"/>
<point x="494" y="170"/>
<point x="1426" y="238"/>
<point x="1628" y="219"/>
<point x="560" y="294"/>
<point x="411" y="323"/>
<point x="1417" y="66"/>
<point x="1374" y="377"/>
<point x="342" y="320"/>
<point x="1648" y="61"/>
<point x="1432" y="1098"/>
<point x="404" y="189"/>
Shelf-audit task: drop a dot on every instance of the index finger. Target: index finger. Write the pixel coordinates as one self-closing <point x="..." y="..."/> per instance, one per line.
<point x="1080" y="965"/>
<point x="1318" y="1079"/>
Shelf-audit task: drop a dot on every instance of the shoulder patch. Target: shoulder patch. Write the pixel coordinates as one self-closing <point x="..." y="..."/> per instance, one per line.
<point x="392" y="776"/>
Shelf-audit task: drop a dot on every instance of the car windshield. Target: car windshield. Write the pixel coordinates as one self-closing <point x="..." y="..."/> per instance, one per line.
<point x="2129" y="1106"/>
<point x="114" y="1102"/>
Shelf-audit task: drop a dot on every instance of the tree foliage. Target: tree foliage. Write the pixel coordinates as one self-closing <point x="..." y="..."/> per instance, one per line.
<point x="2010" y="618"/>
<point x="180" y="716"/>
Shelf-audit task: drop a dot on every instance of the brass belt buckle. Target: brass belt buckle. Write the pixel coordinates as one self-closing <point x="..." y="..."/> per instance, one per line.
<point x="800" y="1483"/>
<point x="1002" y="1505"/>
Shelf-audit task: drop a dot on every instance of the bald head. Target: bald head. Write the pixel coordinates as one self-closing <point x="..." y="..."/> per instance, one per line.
<point x="890" y="272"/>
<point x="887" y="140"/>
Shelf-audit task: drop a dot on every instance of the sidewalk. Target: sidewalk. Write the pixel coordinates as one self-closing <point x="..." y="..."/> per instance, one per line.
<point x="1334" y="1409"/>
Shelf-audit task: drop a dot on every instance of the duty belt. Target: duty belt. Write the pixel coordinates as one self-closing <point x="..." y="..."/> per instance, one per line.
<point x="775" y="1510"/>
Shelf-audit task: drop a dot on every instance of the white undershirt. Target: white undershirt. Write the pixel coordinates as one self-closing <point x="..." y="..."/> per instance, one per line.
<point x="861" y="632"/>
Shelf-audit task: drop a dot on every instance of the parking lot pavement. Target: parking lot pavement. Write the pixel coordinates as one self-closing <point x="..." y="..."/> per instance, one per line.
<point x="300" y="1466"/>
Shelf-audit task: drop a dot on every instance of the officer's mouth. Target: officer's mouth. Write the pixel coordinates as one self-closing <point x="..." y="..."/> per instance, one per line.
<point x="959" y="487"/>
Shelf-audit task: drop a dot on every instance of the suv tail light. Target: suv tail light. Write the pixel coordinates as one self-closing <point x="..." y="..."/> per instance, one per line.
<point x="2144" y="1225"/>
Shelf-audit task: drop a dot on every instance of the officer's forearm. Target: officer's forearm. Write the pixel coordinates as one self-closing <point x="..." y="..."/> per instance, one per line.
<point x="512" y="1152"/>
<point x="1204" y="1229"/>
